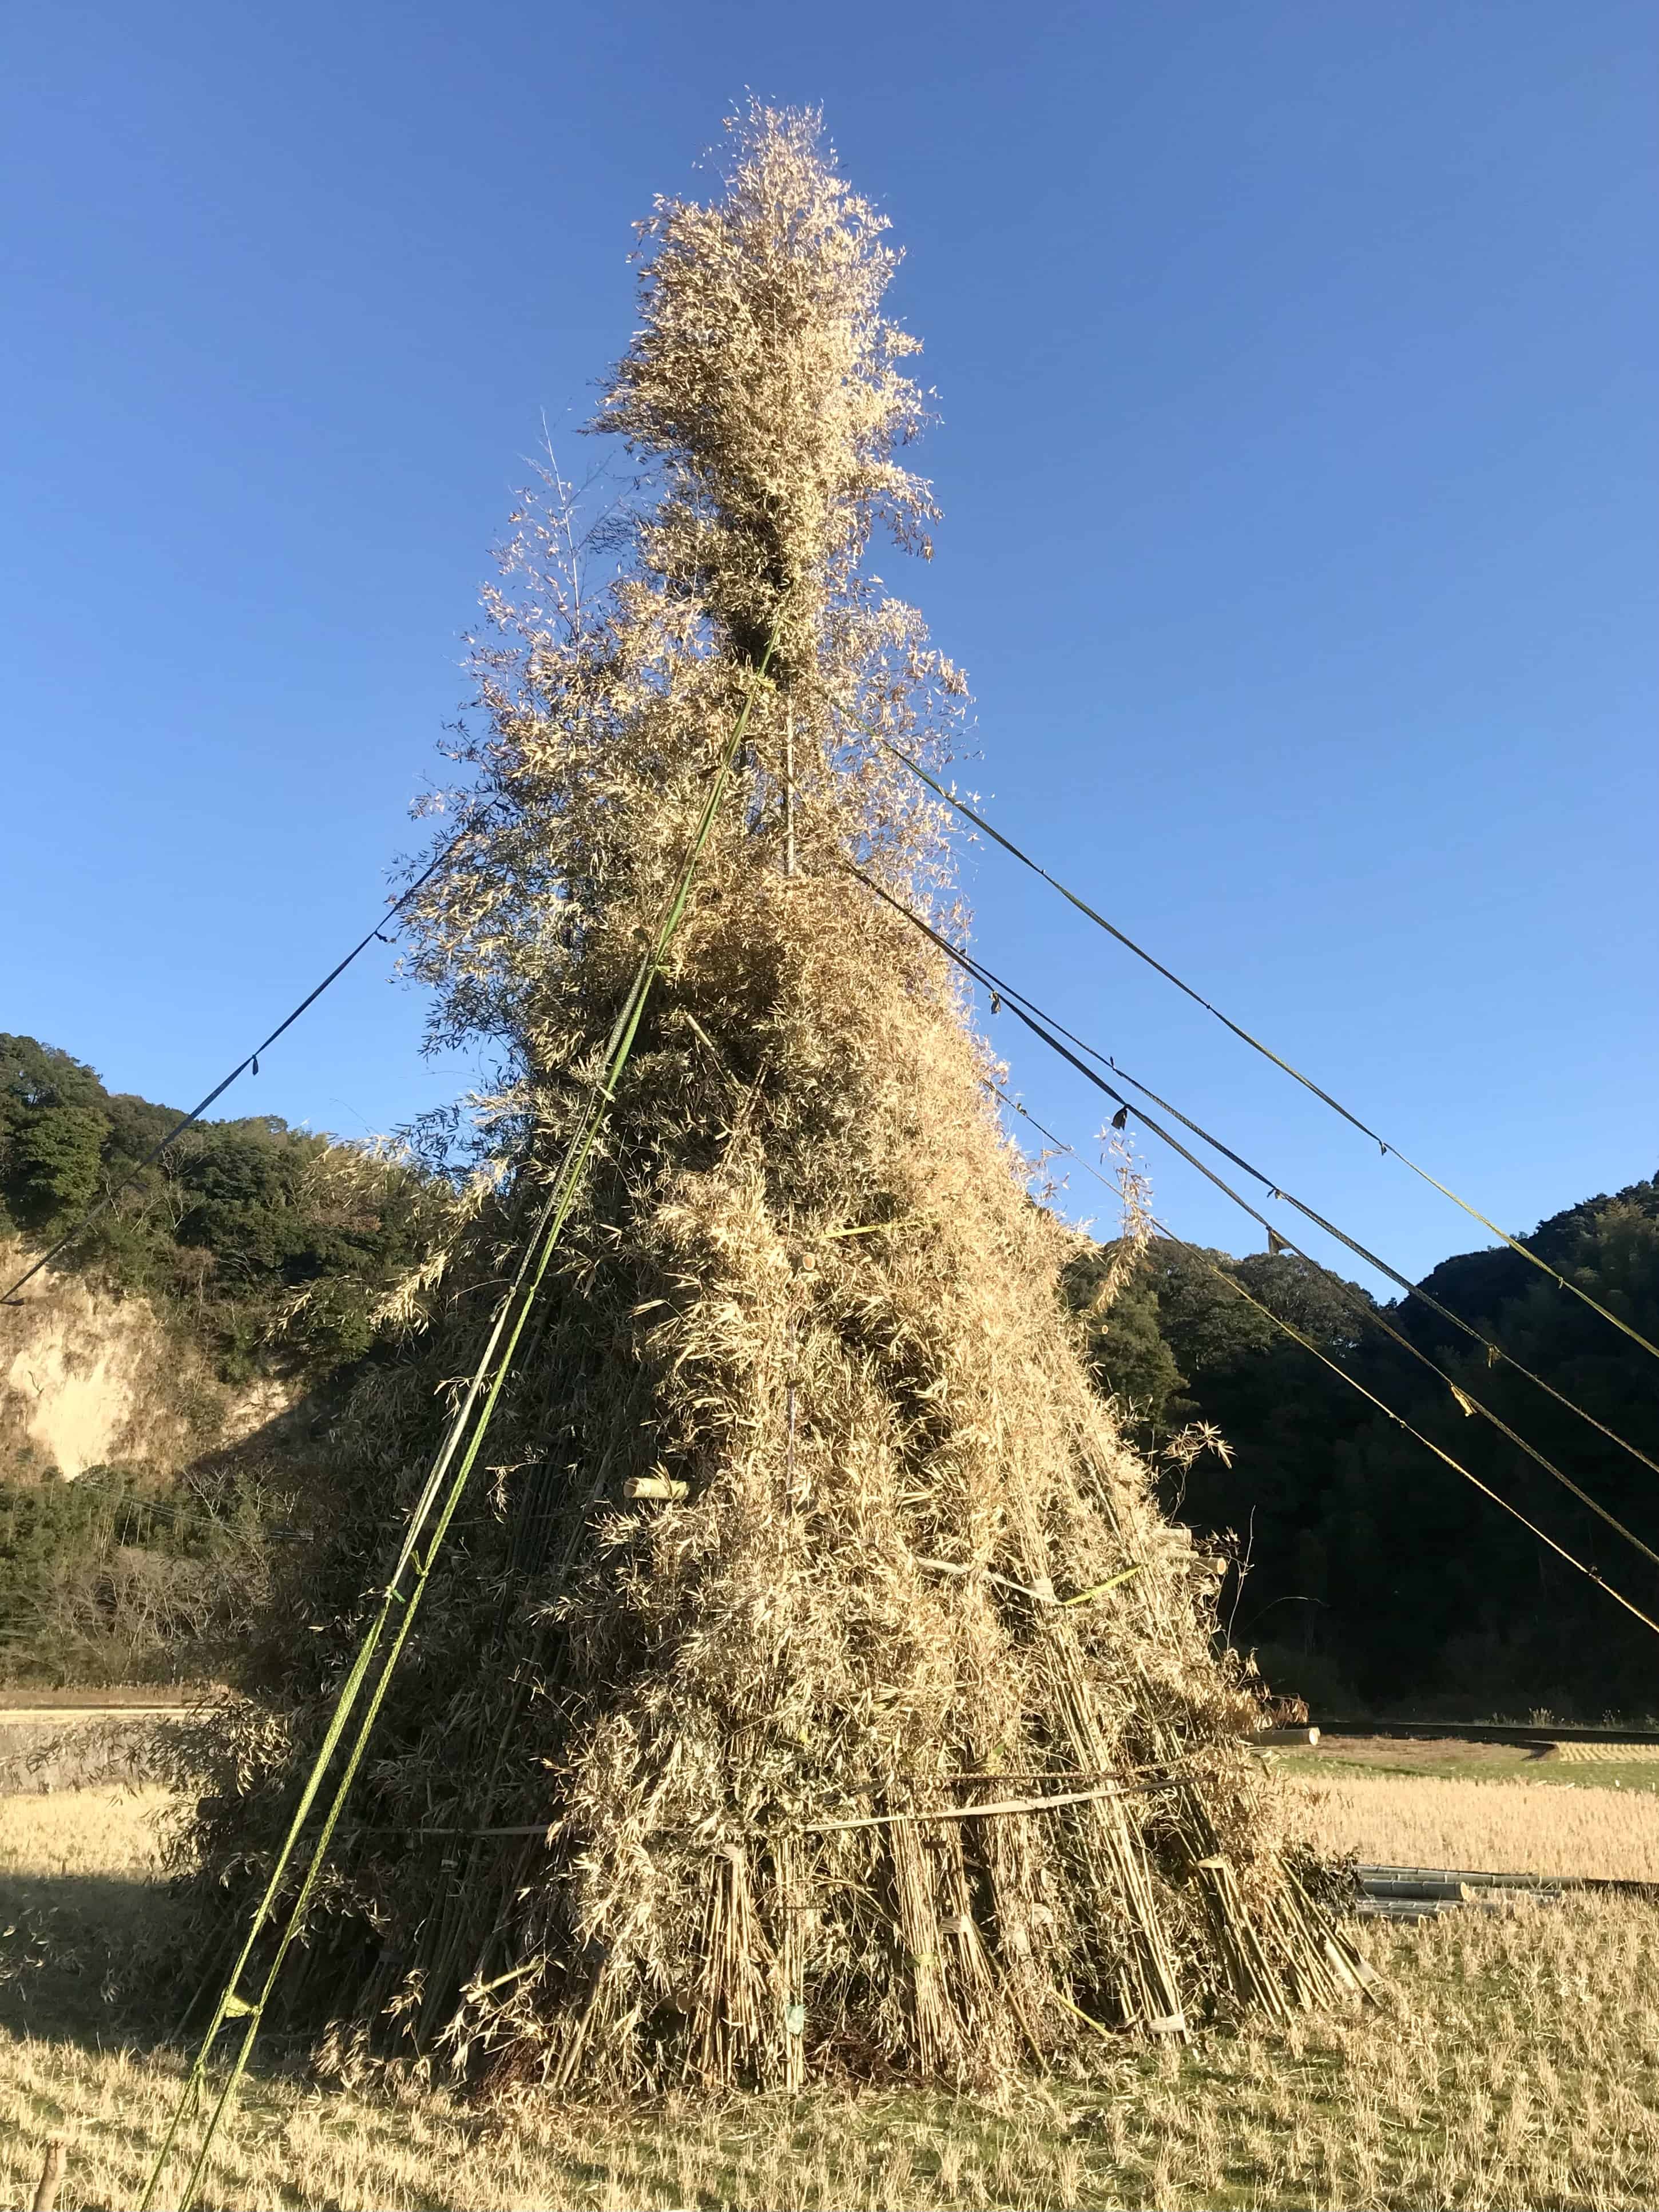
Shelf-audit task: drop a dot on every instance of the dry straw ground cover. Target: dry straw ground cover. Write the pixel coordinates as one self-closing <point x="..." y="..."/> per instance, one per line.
<point x="93" y="1834"/>
<point x="1498" y="1827"/>
<point x="1563" y="1767"/>
<point x="1520" y="2065"/>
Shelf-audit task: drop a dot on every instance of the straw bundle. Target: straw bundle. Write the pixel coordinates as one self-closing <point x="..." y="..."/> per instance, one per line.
<point x="725" y="1748"/>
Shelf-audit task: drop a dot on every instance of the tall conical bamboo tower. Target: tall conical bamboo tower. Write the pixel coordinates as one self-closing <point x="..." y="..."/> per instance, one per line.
<point x="807" y="1540"/>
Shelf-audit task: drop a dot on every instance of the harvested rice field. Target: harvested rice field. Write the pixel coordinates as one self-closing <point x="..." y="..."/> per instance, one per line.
<point x="1515" y="2062"/>
<point x="1521" y="1823"/>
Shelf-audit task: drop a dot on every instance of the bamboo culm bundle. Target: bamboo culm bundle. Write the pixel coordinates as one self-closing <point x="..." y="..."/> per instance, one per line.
<point x="806" y="1516"/>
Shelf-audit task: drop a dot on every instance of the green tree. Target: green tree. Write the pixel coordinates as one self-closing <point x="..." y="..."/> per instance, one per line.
<point x="1128" y="1354"/>
<point x="53" y="1127"/>
<point x="106" y="1579"/>
<point x="56" y="1157"/>
<point x="274" y="1244"/>
<point x="1370" y="1563"/>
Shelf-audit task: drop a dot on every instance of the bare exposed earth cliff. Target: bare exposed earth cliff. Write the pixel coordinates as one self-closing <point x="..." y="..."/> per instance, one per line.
<point x="88" y="1379"/>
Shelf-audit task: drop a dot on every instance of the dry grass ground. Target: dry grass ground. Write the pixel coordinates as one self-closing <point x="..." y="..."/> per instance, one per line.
<point x="1518" y="2065"/>
<point x="63" y="1749"/>
<point x="1560" y="1767"/>
<point x="100" y="1833"/>
<point x="1498" y="1827"/>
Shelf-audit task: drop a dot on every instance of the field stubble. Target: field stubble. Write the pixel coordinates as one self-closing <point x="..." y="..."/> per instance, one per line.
<point x="1517" y="2064"/>
<point x="1498" y="1827"/>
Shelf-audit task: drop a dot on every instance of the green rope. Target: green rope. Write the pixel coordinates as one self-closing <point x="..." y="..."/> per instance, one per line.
<point x="1279" y="1321"/>
<point x="1254" y="1042"/>
<point x="433" y="1510"/>
<point x="1028" y="1012"/>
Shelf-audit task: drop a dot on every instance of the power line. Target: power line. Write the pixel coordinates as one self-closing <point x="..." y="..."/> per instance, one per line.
<point x="1037" y="1022"/>
<point x="137" y="1501"/>
<point x="1254" y="1042"/>
<point x="1494" y="1351"/>
<point x="93" y="1213"/>
<point x="186" y="1510"/>
<point x="1279" y="1322"/>
<point x="1399" y="1420"/>
<point x="1002" y="991"/>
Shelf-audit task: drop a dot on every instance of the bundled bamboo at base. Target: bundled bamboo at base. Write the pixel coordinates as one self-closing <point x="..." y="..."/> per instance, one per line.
<point x="814" y="1686"/>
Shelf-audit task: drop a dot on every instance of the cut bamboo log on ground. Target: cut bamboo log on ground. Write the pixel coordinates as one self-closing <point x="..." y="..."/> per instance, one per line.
<point x="1448" y="1878"/>
<point x="51" y="2176"/>
<point x="1425" y="1893"/>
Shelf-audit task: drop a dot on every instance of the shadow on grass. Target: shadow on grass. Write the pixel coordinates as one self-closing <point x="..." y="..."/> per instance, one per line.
<point x="81" y="1958"/>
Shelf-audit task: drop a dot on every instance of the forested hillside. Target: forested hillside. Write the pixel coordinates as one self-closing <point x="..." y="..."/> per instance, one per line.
<point x="273" y="1243"/>
<point x="231" y="1280"/>
<point x="1374" y="1573"/>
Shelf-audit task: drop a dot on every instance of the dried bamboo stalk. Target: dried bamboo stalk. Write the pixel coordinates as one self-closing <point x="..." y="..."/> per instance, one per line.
<point x="790" y="1951"/>
<point x="52" y="2175"/>
<point x="1057" y="1801"/>
<point x="938" y="2041"/>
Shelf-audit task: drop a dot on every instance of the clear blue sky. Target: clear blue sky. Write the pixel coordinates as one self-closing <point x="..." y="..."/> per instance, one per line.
<point x="1296" y="364"/>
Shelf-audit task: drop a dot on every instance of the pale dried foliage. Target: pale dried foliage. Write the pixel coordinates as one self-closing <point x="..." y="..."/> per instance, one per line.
<point x="807" y="1299"/>
<point x="1495" y="1828"/>
<point x="1128" y="1248"/>
<point x="1516" y="2065"/>
<point x="765" y="387"/>
<point x="1188" y="1445"/>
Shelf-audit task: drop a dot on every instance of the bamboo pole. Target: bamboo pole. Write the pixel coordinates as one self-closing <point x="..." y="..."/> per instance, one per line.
<point x="52" y="2175"/>
<point x="789" y="791"/>
<point x="435" y="1508"/>
<point x="1007" y="1805"/>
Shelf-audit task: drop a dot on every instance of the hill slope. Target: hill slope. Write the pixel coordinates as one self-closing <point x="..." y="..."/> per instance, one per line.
<point x="1373" y="1572"/>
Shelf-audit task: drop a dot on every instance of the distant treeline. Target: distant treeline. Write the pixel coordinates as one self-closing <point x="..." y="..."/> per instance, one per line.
<point x="272" y="1243"/>
<point x="266" y="1248"/>
<point x="1372" y="1572"/>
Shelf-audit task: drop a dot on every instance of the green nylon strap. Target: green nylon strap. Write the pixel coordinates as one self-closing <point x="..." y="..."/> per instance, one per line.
<point x="435" y="1509"/>
<point x="1026" y="1010"/>
<point x="1278" y="1323"/>
<point x="1369" y="1313"/>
